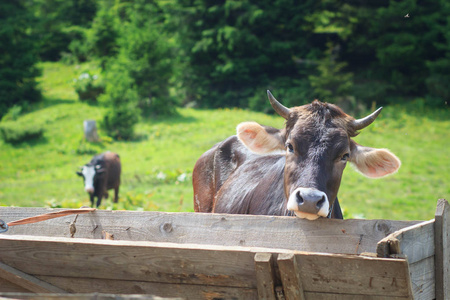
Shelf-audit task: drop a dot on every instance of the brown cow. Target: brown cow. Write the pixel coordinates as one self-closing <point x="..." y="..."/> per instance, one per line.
<point x="295" y="170"/>
<point x="101" y="175"/>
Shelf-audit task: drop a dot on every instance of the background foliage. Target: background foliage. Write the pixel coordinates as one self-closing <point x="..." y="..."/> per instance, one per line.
<point x="18" y="57"/>
<point x="157" y="165"/>
<point x="155" y="60"/>
<point x="213" y="54"/>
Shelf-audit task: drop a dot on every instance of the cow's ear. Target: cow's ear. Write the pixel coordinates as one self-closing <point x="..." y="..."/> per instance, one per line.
<point x="260" y="139"/>
<point x="372" y="162"/>
<point x="79" y="173"/>
<point x="99" y="169"/>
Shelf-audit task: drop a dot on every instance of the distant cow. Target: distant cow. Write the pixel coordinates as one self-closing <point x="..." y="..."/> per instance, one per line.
<point x="295" y="170"/>
<point x="101" y="175"/>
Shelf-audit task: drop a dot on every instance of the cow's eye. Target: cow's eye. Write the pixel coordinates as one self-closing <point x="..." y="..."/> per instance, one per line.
<point x="345" y="157"/>
<point x="290" y="147"/>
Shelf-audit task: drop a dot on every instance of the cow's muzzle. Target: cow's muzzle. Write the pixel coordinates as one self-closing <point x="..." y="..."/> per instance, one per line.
<point x="90" y="190"/>
<point x="308" y="203"/>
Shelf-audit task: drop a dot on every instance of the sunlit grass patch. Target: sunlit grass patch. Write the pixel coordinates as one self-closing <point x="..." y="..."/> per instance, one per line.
<point x="157" y="166"/>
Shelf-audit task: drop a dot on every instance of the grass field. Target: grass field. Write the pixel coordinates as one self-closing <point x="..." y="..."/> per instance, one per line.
<point x="157" y="167"/>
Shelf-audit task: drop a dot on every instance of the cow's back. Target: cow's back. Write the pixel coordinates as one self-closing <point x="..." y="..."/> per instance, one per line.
<point x="256" y="188"/>
<point x="230" y="179"/>
<point x="113" y="168"/>
<point x="213" y="168"/>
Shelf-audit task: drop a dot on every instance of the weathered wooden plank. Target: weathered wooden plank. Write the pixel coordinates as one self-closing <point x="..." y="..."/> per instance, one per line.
<point x="416" y="242"/>
<point x="383" y="247"/>
<point x="187" y="291"/>
<point x="93" y="296"/>
<point x="324" y="235"/>
<point x="442" y="245"/>
<point x="265" y="276"/>
<point x="325" y="296"/>
<point x="27" y="281"/>
<point x="290" y="277"/>
<point x="51" y="215"/>
<point x="422" y="279"/>
<point x="125" y="260"/>
<point x="357" y="275"/>
<point x="7" y="286"/>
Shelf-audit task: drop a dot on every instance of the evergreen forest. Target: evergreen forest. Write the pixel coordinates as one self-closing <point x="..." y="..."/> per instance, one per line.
<point x="155" y="55"/>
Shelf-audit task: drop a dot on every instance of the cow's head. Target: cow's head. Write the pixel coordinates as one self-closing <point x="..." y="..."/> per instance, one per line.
<point x="317" y="144"/>
<point x="89" y="173"/>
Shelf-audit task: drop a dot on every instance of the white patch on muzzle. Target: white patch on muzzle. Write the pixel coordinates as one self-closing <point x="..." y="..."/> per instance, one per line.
<point x="88" y="174"/>
<point x="294" y="206"/>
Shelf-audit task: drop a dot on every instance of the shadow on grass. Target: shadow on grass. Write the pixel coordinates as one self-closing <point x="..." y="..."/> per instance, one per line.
<point x="30" y="143"/>
<point x="176" y="119"/>
<point x="49" y="102"/>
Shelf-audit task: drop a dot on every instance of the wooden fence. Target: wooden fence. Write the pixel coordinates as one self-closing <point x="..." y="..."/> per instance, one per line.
<point x="219" y="256"/>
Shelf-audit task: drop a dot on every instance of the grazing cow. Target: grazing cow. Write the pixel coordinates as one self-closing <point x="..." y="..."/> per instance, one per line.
<point x="101" y="175"/>
<point x="295" y="170"/>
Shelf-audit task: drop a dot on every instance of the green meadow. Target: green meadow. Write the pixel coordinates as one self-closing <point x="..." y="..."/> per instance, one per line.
<point x="157" y="165"/>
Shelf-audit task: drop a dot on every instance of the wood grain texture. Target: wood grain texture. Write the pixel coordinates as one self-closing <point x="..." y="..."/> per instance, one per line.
<point x="325" y="296"/>
<point x="27" y="281"/>
<point x="265" y="276"/>
<point x="442" y="245"/>
<point x="423" y="279"/>
<point x="204" y="271"/>
<point x="8" y="286"/>
<point x="416" y="242"/>
<point x="323" y="235"/>
<point x="125" y="260"/>
<point x="93" y="296"/>
<point x="290" y="277"/>
<point x="345" y="274"/>
<point x="211" y="256"/>
<point x="185" y="291"/>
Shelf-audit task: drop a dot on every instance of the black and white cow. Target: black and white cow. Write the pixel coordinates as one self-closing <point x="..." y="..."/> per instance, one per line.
<point x="101" y="175"/>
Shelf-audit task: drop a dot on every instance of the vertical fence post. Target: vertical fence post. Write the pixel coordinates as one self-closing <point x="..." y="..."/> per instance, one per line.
<point x="265" y="276"/>
<point x="442" y="250"/>
<point x="290" y="277"/>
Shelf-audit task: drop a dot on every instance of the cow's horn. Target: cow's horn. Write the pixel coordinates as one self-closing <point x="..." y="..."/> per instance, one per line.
<point x="366" y="121"/>
<point x="279" y="108"/>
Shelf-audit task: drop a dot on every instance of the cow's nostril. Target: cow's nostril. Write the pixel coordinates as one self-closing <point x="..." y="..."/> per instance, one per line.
<point x="300" y="199"/>
<point x="320" y="203"/>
